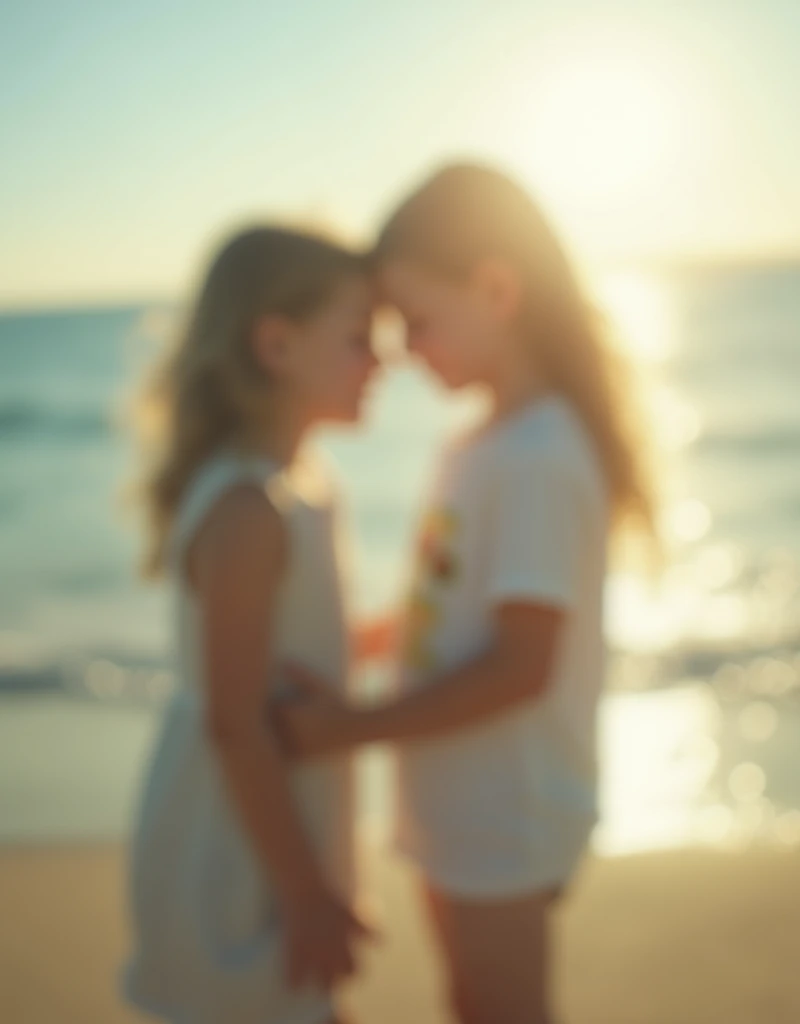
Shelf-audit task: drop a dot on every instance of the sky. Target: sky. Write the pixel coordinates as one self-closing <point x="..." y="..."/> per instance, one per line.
<point x="134" y="134"/>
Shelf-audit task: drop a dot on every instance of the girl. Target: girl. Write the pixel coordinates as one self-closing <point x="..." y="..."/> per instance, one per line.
<point x="241" y="869"/>
<point x="502" y="660"/>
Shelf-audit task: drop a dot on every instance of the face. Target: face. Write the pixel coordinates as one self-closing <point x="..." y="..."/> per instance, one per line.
<point x="455" y="328"/>
<point x="326" y="362"/>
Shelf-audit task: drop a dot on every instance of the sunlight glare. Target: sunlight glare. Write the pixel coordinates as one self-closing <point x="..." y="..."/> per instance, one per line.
<point x="643" y="315"/>
<point x="606" y="123"/>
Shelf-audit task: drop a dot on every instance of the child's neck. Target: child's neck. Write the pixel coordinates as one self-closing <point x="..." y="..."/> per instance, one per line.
<point x="516" y="382"/>
<point x="282" y="440"/>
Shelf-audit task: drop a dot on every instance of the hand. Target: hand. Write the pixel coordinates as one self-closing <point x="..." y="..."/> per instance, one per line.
<point x="312" y="721"/>
<point x="321" y="936"/>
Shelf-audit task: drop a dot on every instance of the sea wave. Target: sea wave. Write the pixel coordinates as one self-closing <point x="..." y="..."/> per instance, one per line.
<point x="104" y="677"/>
<point x="780" y="439"/>
<point x="21" y="418"/>
<point x="731" y="669"/>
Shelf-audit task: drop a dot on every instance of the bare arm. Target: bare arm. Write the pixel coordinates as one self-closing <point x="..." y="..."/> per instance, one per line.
<point x="514" y="670"/>
<point x="235" y="564"/>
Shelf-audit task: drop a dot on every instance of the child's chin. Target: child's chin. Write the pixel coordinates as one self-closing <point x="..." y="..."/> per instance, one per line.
<point x="447" y="377"/>
<point x="351" y="414"/>
<point x="451" y="381"/>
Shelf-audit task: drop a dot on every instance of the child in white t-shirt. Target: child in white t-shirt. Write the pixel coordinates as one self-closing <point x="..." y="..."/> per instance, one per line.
<point x="502" y="660"/>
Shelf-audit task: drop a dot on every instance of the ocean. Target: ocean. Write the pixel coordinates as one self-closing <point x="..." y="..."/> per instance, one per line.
<point x="700" y="727"/>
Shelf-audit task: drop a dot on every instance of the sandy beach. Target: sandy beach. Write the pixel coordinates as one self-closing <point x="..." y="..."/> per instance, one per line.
<point x="689" y="937"/>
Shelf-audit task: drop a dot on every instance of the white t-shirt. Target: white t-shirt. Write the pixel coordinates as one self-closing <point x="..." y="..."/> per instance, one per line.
<point x="518" y="513"/>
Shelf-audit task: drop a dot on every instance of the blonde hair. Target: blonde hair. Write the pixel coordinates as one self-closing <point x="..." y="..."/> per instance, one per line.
<point x="209" y="391"/>
<point x="466" y="213"/>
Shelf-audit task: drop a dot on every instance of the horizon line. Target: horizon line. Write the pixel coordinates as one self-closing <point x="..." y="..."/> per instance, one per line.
<point x="665" y="262"/>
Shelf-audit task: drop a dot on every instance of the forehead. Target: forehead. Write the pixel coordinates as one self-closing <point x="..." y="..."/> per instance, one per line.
<point x="353" y="299"/>
<point x="405" y="284"/>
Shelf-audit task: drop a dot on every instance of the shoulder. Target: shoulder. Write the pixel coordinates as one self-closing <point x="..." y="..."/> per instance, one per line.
<point x="551" y="429"/>
<point x="243" y="508"/>
<point x="229" y="516"/>
<point x="560" y="432"/>
<point x="242" y="536"/>
<point x="213" y="479"/>
<point x="549" y="444"/>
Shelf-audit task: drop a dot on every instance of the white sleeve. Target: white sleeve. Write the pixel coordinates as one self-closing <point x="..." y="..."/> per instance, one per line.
<point x="536" y="531"/>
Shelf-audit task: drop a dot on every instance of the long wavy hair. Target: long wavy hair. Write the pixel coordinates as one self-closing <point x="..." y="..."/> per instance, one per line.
<point x="466" y="213"/>
<point x="209" y="391"/>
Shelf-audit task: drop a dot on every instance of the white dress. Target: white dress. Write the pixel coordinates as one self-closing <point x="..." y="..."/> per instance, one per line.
<point x="207" y="937"/>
